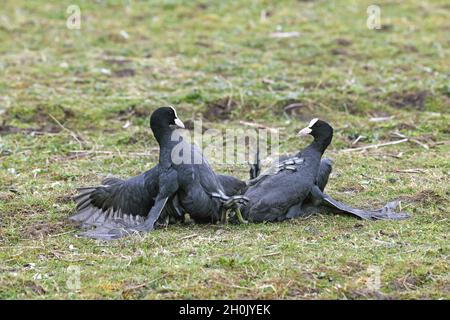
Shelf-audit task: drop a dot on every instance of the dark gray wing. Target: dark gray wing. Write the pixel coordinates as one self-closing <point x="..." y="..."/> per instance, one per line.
<point x="324" y="173"/>
<point x="207" y="177"/>
<point x="257" y="175"/>
<point x="385" y="213"/>
<point x="117" y="203"/>
<point x="232" y="186"/>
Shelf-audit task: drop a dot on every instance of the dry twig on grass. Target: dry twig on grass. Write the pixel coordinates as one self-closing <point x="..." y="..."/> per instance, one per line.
<point x="375" y="146"/>
<point x="258" y="126"/>
<point x="71" y="133"/>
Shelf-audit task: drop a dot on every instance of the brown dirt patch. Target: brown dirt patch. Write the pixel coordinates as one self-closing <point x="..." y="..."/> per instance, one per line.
<point x="41" y="117"/>
<point x="410" y="48"/>
<point x="351" y="189"/>
<point x="408" y="99"/>
<point x="123" y="73"/>
<point x="67" y="198"/>
<point x="339" y="52"/>
<point x="386" y="28"/>
<point x="295" y="109"/>
<point x="134" y="111"/>
<point x="343" y="42"/>
<point x="367" y="294"/>
<point x="117" y="61"/>
<point x="219" y="109"/>
<point x="43" y="229"/>
<point x="8" y="129"/>
<point x="6" y="196"/>
<point x="425" y="197"/>
<point x="316" y="85"/>
<point x="34" y="287"/>
<point x="408" y="282"/>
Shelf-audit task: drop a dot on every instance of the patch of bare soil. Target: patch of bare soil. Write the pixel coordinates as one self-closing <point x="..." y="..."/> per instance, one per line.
<point x="410" y="48"/>
<point x="348" y="105"/>
<point x="67" y="198"/>
<point x="34" y="287"/>
<point x="136" y="137"/>
<point x="352" y="189"/>
<point x="295" y="109"/>
<point x="41" y="117"/>
<point x="123" y="73"/>
<point x="408" y="99"/>
<point x="406" y="126"/>
<point x="343" y="42"/>
<point x="134" y="111"/>
<point x="297" y="291"/>
<point x="42" y="229"/>
<point x="8" y="129"/>
<point x="133" y="291"/>
<point x="5" y="196"/>
<point x="386" y="28"/>
<point x="425" y="197"/>
<point x="189" y="124"/>
<point x="339" y="52"/>
<point x="367" y="294"/>
<point x="117" y="61"/>
<point x="316" y="85"/>
<point x="407" y="282"/>
<point x="220" y="109"/>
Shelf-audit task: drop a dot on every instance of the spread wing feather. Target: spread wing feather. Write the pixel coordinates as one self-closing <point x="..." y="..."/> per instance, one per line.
<point x="117" y="201"/>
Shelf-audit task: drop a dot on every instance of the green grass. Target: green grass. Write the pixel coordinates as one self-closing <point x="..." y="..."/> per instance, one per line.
<point x="196" y="56"/>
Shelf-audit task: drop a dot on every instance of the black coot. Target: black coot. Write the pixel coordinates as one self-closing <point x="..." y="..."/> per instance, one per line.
<point x="166" y="191"/>
<point x="295" y="186"/>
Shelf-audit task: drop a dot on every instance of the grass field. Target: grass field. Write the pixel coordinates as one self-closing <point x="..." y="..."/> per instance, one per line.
<point x="74" y="107"/>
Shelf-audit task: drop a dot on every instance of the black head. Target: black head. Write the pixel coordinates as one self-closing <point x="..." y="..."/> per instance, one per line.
<point x="164" y="120"/>
<point x="165" y="117"/>
<point x="320" y="130"/>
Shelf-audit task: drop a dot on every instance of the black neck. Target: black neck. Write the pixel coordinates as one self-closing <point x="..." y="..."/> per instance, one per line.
<point x="162" y="135"/>
<point x="319" y="145"/>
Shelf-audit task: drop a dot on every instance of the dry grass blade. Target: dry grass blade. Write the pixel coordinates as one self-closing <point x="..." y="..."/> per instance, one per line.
<point x="375" y="146"/>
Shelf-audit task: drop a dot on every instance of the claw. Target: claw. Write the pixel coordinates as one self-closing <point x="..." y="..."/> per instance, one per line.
<point x="235" y="200"/>
<point x="230" y="201"/>
<point x="230" y="213"/>
<point x="239" y="216"/>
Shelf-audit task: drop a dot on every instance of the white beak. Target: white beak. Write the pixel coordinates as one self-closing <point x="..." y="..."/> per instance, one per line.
<point x="304" y="131"/>
<point x="179" y="123"/>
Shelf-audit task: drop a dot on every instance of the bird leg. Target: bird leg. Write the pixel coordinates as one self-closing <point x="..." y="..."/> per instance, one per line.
<point x="239" y="215"/>
<point x="232" y="212"/>
<point x="235" y="201"/>
<point x="155" y="212"/>
<point x="224" y="215"/>
<point x="231" y="204"/>
<point x="228" y="201"/>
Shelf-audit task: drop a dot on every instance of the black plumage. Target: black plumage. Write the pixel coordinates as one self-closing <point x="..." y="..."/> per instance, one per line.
<point x="295" y="187"/>
<point x="292" y="188"/>
<point x="166" y="191"/>
<point x="280" y="195"/>
<point x="189" y="177"/>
